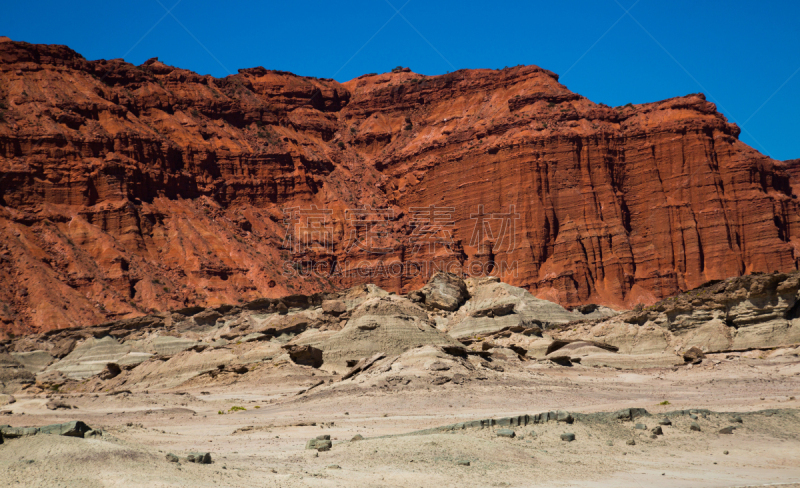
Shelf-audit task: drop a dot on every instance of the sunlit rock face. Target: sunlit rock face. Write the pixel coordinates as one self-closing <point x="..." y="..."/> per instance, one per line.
<point x="127" y="189"/>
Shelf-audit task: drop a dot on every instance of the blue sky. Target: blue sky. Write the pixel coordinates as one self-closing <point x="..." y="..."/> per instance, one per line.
<point x="745" y="56"/>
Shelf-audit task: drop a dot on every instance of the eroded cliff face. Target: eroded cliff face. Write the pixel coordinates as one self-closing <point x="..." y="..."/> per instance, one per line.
<point x="126" y="189"/>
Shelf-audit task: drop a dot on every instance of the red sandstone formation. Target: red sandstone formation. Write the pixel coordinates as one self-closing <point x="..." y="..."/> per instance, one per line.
<point x="126" y="189"/>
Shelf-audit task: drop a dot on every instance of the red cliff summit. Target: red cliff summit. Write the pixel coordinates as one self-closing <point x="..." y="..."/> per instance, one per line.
<point x="126" y="189"/>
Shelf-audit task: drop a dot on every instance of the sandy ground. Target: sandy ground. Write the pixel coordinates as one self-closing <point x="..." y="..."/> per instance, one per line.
<point x="141" y="427"/>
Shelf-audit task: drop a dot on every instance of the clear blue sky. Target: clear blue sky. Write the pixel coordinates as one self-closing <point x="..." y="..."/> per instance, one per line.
<point x="745" y="56"/>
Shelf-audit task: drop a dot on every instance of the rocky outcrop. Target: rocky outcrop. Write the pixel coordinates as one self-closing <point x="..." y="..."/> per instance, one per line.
<point x="131" y="189"/>
<point x="390" y="341"/>
<point x="389" y="325"/>
<point x="444" y="291"/>
<point x="76" y="428"/>
<point x="758" y="311"/>
<point x="13" y="375"/>
<point x="496" y="306"/>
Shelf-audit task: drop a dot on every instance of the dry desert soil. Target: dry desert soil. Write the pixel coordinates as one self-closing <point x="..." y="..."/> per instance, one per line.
<point x="263" y="444"/>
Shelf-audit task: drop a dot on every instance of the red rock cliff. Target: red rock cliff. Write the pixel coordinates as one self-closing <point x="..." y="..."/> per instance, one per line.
<point x="125" y="189"/>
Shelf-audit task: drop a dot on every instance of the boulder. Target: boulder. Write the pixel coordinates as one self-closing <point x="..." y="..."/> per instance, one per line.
<point x="640" y="427"/>
<point x="112" y="370"/>
<point x="76" y="428"/>
<point x="568" y="437"/>
<point x="693" y="355"/>
<point x="334" y="307"/>
<point x="665" y="421"/>
<point x="58" y="405"/>
<point x="694" y="426"/>
<point x="320" y="443"/>
<point x="7" y="399"/>
<point x="445" y="291"/>
<point x="630" y="442"/>
<point x="506" y="433"/>
<point x="629" y="414"/>
<point x="657" y="430"/>
<point x="357" y="437"/>
<point x="199" y="457"/>
<point x="172" y="458"/>
<point x="305" y="355"/>
<point x="727" y="430"/>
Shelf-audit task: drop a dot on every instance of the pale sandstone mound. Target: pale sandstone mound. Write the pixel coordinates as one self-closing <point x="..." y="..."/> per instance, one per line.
<point x="391" y="325"/>
<point x="233" y="360"/>
<point x="432" y="365"/>
<point x="34" y="361"/>
<point x="91" y="357"/>
<point x="495" y="306"/>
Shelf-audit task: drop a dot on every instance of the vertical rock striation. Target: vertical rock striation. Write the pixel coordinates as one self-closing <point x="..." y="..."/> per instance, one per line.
<point x="126" y="189"/>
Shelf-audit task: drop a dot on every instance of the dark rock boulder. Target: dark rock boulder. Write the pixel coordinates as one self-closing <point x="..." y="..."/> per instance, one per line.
<point x="58" y="405"/>
<point x="199" y="457"/>
<point x="112" y="370"/>
<point x="320" y="443"/>
<point x="76" y="428"/>
<point x="693" y="355"/>
<point x="305" y="355"/>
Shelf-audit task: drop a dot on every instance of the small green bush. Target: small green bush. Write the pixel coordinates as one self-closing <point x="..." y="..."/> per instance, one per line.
<point x="665" y="402"/>
<point x="236" y="408"/>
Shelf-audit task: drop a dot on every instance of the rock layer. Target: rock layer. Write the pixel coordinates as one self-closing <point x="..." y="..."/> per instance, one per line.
<point x="759" y="311"/>
<point x="127" y="189"/>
